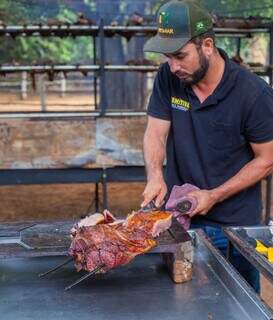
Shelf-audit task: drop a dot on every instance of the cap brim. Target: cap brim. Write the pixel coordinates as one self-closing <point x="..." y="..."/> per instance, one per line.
<point x="164" y="45"/>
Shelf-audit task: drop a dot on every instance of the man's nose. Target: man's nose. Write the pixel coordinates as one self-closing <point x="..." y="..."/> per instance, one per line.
<point x="174" y="65"/>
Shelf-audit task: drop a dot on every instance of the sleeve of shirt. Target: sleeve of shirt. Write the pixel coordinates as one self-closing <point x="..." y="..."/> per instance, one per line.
<point x="259" y="122"/>
<point x="160" y="103"/>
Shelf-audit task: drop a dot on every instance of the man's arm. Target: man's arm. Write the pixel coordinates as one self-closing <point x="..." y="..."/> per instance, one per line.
<point x="257" y="169"/>
<point x="154" y="154"/>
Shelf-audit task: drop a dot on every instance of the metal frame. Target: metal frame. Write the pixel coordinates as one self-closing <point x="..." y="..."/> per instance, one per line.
<point x="80" y="175"/>
<point x="103" y="96"/>
<point x="102" y="31"/>
<point x="93" y="68"/>
<point x="75" y="30"/>
<point x="94" y="175"/>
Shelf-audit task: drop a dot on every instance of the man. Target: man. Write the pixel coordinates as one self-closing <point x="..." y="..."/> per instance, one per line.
<point x="214" y="121"/>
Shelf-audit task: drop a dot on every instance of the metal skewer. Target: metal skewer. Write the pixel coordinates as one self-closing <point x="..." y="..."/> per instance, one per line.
<point x="85" y="277"/>
<point x="55" y="268"/>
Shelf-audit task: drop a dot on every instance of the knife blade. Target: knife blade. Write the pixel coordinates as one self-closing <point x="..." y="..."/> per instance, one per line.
<point x="149" y="207"/>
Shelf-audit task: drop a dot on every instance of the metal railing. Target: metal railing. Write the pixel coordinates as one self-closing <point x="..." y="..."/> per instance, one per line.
<point x="99" y="69"/>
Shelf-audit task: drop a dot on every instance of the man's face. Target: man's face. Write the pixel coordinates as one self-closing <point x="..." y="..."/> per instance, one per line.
<point x="189" y="64"/>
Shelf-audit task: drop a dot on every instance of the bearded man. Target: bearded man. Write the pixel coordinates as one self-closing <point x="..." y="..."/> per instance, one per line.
<point x="214" y="122"/>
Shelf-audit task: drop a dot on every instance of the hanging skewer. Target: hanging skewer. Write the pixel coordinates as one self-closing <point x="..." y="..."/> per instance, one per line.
<point x="55" y="268"/>
<point x="99" y="268"/>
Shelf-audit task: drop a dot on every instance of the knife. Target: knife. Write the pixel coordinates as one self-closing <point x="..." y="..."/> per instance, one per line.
<point x="149" y="207"/>
<point x="182" y="207"/>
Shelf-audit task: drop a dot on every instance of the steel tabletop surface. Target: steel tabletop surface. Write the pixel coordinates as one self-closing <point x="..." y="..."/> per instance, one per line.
<point x="140" y="290"/>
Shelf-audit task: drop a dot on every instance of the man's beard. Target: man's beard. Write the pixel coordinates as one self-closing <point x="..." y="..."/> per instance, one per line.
<point x="200" y="73"/>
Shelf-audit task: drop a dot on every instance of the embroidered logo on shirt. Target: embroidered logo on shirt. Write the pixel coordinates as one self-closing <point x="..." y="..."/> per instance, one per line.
<point x="180" y="104"/>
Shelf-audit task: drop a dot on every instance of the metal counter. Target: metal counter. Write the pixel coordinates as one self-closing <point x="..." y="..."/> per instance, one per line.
<point x="239" y="240"/>
<point x="140" y="290"/>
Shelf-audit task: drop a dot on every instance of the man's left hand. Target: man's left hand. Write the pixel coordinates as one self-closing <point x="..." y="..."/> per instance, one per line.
<point x="206" y="199"/>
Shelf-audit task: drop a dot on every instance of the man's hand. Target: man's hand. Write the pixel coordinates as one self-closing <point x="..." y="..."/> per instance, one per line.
<point x="156" y="190"/>
<point x="206" y="199"/>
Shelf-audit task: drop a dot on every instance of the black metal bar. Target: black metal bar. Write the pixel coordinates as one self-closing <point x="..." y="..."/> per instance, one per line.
<point x="55" y="268"/>
<point x="73" y="175"/>
<point x="84" y="277"/>
<point x="238" y="46"/>
<point x="97" y="203"/>
<point x="48" y="30"/>
<point x="71" y="29"/>
<point x="47" y="176"/>
<point x="126" y="174"/>
<point x="103" y="99"/>
<point x="268" y="199"/>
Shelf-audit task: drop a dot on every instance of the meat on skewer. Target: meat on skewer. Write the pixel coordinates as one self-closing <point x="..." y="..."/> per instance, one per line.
<point x="101" y="239"/>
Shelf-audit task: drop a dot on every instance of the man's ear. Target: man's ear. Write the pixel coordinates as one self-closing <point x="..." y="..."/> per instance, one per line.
<point x="208" y="46"/>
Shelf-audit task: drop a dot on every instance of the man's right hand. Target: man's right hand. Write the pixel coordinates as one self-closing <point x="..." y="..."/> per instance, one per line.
<point x="156" y="190"/>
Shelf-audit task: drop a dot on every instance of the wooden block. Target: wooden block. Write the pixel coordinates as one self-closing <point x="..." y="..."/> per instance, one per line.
<point x="180" y="263"/>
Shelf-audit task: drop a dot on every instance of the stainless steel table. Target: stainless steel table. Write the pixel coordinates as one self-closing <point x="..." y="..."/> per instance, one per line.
<point x="239" y="238"/>
<point x="141" y="290"/>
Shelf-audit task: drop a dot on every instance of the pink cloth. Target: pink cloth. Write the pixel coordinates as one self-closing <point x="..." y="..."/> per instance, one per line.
<point x="179" y="194"/>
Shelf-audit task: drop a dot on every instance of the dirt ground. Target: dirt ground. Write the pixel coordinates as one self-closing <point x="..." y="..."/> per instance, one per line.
<point x="11" y="102"/>
<point x="50" y="202"/>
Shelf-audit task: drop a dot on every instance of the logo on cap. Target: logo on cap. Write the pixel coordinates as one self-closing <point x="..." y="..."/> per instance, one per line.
<point x="164" y="20"/>
<point x="200" y="26"/>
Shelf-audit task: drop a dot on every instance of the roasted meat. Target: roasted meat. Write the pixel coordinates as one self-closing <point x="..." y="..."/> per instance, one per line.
<point x="101" y="240"/>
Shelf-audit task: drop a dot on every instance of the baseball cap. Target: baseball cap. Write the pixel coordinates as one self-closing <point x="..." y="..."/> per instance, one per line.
<point x="178" y="22"/>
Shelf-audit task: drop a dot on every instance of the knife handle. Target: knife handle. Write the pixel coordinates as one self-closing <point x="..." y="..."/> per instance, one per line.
<point x="184" y="206"/>
<point x="149" y="207"/>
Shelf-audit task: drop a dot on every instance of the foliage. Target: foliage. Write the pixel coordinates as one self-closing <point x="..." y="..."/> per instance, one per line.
<point x="41" y="50"/>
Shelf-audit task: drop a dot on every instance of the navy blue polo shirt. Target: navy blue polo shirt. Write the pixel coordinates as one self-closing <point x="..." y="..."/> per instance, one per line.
<point x="209" y="142"/>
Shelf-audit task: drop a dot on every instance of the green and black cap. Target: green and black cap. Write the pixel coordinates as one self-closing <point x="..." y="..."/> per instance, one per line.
<point x="178" y="22"/>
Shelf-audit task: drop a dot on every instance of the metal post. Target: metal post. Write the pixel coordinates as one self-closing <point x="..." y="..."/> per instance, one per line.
<point x="104" y="189"/>
<point x="24" y="85"/>
<point x="97" y="204"/>
<point x="95" y="74"/>
<point x="103" y="100"/>
<point x="42" y="92"/>
<point x="63" y="85"/>
<point x="268" y="199"/>
<point x="238" y="46"/>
